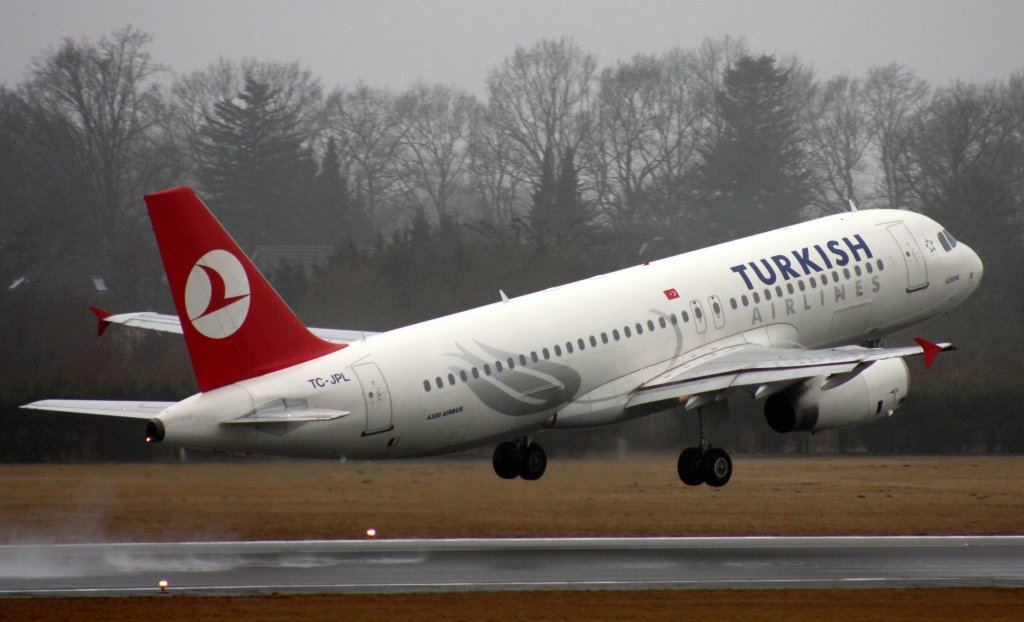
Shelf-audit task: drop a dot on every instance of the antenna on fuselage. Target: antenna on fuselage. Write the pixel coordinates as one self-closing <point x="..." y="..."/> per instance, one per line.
<point x="853" y="206"/>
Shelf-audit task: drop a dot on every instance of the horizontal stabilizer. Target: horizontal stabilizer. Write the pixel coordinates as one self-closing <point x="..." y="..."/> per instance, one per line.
<point x="171" y="324"/>
<point x="107" y="408"/>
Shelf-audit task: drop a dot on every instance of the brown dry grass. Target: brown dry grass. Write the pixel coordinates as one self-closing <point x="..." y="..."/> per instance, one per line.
<point x="636" y="496"/>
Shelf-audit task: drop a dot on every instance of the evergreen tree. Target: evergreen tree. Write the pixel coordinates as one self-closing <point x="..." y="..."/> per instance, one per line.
<point x="753" y="175"/>
<point x="332" y="203"/>
<point x="545" y="196"/>
<point x="253" y="164"/>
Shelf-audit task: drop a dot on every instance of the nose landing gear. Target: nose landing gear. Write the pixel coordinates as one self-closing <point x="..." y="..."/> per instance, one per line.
<point x="519" y="458"/>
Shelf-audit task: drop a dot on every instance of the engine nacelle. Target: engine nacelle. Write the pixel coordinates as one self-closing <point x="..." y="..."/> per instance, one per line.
<point x="822" y="404"/>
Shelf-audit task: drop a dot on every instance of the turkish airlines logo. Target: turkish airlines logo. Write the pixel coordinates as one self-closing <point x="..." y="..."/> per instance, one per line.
<point x="217" y="294"/>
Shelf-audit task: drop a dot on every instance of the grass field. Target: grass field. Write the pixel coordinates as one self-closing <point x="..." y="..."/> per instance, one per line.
<point x="633" y="496"/>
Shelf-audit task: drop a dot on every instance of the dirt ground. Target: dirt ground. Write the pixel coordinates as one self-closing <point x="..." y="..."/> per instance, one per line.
<point x="458" y="498"/>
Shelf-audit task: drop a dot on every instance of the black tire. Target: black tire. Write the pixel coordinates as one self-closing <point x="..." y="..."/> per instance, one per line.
<point x="717" y="468"/>
<point x="506" y="460"/>
<point x="534" y="462"/>
<point x="689" y="467"/>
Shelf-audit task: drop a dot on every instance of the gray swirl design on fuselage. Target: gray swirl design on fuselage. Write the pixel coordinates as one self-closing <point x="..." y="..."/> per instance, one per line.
<point x="521" y="390"/>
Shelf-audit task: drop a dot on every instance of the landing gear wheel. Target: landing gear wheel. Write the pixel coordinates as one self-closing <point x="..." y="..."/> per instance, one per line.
<point x="717" y="467"/>
<point x="689" y="467"/>
<point x="506" y="460"/>
<point x="534" y="462"/>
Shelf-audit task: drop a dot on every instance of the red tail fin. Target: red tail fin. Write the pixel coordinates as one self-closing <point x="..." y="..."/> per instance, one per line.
<point x="235" y="324"/>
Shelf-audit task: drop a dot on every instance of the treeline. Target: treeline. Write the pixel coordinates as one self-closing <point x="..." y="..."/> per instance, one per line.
<point x="431" y="199"/>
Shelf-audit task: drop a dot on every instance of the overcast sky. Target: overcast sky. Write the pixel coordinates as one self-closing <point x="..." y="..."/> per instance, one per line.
<point x="395" y="43"/>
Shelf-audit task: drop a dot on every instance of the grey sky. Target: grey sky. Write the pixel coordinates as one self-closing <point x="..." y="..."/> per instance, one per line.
<point x="395" y="43"/>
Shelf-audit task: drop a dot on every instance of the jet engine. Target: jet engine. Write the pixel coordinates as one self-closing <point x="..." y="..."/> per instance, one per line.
<point x="827" y="403"/>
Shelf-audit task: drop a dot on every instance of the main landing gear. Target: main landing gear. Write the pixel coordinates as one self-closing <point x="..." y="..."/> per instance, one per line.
<point x="705" y="464"/>
<point x="519" y="458"/>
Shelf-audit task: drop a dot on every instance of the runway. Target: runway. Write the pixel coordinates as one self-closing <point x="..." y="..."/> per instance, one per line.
<point x="382" y="566"/>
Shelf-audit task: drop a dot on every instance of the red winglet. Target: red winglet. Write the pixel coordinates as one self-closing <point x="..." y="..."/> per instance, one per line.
<point x="931" y="350"/>
<point x="102" y="316"/>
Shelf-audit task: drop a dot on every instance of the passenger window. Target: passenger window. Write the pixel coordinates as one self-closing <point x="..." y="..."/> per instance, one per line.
<point x="583" y="346"/>
<point x="476" y="372"/>
<point x="686" y="316"/>
<point x="672" y="318"/>
<point x="717" y="308"/>
<point x="533" y="356"/>
<point x="801" y="285"/>
<point x="856" y="269"/>
<point x="511" y="363"/>
<point x="814" y="282"/>
<point x="732" y="303"/>
<point x="558" y="350"/>
<point x="625" y="331"/>
<point x="568" y="347"/>
<point x="639" y="328"/>
<point x="462" y="374"/>
<point x="846" y="273"/>
<point x="650" y="324"/>
<point x="522" y="359"/>
<point x="869" y="267"/>
<point x="547" y="354"/>
<point x="880" y="265"/>
<point x="697" y="313"/>
<point x="439" y="382"/>
<point x="789" y="288"/>
<point x="757" y="299"/>
<point x="426" y="386"/>
<point x="778" y="291"/>
<point x="767" y="294"/>
<point x="835" y="276"/>
<point x="604" y="338"/>
<point x="593" y="341"/>
<point x="451" y="379"/>
<point x="661" y="322"/>
<point x="497" y="367"/>
<point x="745" y="300"/>
<point x="824" y="279"/>
<point x="487" y="369"/>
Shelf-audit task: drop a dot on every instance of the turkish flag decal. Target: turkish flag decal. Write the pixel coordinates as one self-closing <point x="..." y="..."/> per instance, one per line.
<point x="671" y="294"/>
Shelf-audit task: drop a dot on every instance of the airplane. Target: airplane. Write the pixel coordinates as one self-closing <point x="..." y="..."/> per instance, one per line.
<point x="793" y="317"/>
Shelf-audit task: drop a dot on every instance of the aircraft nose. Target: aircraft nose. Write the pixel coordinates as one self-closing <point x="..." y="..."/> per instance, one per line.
<point x="975" y="268"/>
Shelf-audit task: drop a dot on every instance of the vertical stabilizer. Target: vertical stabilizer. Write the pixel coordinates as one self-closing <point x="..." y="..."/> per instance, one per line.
<point x="235" y="324"/>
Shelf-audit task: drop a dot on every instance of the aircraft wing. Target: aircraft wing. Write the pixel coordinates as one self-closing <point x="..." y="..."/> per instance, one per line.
<point x="110" y="408"/>
<point x="766" y="370"/>
<point x="171" y="324"/>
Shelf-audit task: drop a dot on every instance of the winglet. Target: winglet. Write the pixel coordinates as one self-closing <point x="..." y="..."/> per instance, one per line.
<point x="102" y="316"/>
<point x="931" y="350"/>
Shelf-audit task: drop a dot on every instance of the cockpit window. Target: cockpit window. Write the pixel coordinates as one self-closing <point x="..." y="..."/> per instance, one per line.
<point x="947" y="240"/>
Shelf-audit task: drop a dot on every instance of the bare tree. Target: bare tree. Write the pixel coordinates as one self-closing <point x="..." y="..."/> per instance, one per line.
<point x="893" y="94"/>
<point x="539" y="98"/>
<point x="96" y="108"/>
<point x="433" y="159"/>
<point x="838" y="143"/>
<point x="492" y="172"/>
<point x="370" y="132"/>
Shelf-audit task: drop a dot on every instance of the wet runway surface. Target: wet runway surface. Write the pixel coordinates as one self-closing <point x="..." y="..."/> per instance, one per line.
<point x="510" y="564"/>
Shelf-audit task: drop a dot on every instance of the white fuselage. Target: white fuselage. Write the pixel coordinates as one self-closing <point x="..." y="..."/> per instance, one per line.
<point x="447" y="384"/>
